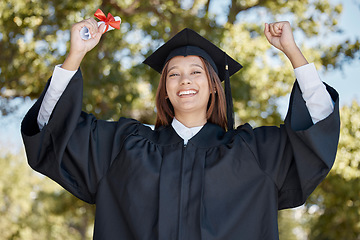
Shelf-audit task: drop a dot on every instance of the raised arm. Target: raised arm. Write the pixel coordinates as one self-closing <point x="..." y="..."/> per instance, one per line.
<point x="63" y="74"/>
<point x="318" y="100"/>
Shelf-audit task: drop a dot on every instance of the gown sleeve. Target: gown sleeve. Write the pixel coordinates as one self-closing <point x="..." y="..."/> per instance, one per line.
<point x="74" y="148"/>
<point x="299" y="154"/>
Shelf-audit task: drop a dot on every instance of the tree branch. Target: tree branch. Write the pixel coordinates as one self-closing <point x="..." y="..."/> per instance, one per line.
<point x="235" y="8"/>
<point x="207" y="6"/>
<point x="135" y="8"/>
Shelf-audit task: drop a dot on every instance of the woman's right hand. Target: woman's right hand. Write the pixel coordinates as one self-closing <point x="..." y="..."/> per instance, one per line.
<point x="78" y="46"/>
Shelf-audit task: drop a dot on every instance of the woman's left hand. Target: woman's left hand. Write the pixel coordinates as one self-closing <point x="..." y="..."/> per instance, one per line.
<point x="279" y="34"/>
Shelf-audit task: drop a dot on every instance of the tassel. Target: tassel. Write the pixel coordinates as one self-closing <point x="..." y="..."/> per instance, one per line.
<point x="229" y="101"/>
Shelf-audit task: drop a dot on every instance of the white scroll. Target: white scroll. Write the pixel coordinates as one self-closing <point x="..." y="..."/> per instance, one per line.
<point x="85" y="33"/>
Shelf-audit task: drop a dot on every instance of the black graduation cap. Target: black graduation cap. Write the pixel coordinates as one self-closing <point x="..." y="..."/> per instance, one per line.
<point x="188" y="42"/>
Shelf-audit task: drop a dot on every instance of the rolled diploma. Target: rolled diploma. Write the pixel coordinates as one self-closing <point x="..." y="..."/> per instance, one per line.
<point x="85" y="33"/>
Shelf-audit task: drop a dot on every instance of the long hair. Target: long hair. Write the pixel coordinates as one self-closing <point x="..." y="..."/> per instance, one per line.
<point x="216" y="109"/>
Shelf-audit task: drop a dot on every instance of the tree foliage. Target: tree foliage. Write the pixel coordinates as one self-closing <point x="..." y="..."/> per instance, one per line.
<point x="34" y="37"/>
<point x="33" y="207"/>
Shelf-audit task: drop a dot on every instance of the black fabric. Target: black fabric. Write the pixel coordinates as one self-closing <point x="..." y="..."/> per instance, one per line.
<point x="148" y="185"/>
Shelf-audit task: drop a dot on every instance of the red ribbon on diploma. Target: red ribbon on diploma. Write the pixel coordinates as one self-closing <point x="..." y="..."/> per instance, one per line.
<point x="109" y="20"/>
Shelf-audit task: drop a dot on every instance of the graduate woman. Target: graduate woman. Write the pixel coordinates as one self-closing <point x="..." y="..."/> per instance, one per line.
<point x="194" y="176"/>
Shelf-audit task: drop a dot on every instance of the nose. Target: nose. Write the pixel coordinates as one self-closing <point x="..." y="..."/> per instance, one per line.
<point x="185" y="80"/>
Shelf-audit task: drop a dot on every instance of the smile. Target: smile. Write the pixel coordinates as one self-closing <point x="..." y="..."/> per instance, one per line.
<point x="187" y="93"/>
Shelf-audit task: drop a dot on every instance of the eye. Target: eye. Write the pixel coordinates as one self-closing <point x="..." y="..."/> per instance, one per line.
<point x="196" y="72"/>
<point x="173" y="75"/>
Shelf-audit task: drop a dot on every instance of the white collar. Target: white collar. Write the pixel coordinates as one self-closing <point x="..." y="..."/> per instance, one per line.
<point x="183" y="131"/>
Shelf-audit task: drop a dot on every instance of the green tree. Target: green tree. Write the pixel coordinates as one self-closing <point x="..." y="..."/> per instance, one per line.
<point x="33" y="207"/>
<point x="34" y="37"/>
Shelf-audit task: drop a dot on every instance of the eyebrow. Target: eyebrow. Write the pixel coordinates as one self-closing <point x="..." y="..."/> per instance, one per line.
<point x="197" y="65"/>
<point x="193" y="64"/>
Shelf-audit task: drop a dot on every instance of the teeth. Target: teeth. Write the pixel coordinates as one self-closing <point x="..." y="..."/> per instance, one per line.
<point x="187" y="92"/>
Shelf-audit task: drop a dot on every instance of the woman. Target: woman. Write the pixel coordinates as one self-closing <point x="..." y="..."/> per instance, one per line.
<point x="189" y="178"/>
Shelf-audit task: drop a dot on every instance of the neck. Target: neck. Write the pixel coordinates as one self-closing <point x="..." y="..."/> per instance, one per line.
<point x="191" y="120"/>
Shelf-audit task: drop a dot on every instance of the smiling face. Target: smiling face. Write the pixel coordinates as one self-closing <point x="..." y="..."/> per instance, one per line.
<point x="187" y="87"/>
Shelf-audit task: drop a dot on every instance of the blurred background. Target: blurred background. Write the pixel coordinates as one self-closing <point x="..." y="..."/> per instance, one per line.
<point x="34" y="37"/>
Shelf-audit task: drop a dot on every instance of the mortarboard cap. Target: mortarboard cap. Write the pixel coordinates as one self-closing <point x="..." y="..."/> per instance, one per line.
<point x="188" y="42"/>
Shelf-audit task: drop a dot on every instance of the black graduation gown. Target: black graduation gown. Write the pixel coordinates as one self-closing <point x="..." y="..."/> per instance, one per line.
<point x="147" y="185"/>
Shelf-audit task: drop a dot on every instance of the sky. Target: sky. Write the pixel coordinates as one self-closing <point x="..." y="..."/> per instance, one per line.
<point x="346" y="82"/>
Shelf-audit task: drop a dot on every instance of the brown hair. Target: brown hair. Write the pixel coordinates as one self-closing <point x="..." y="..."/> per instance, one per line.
<point x="216" y="110"/>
